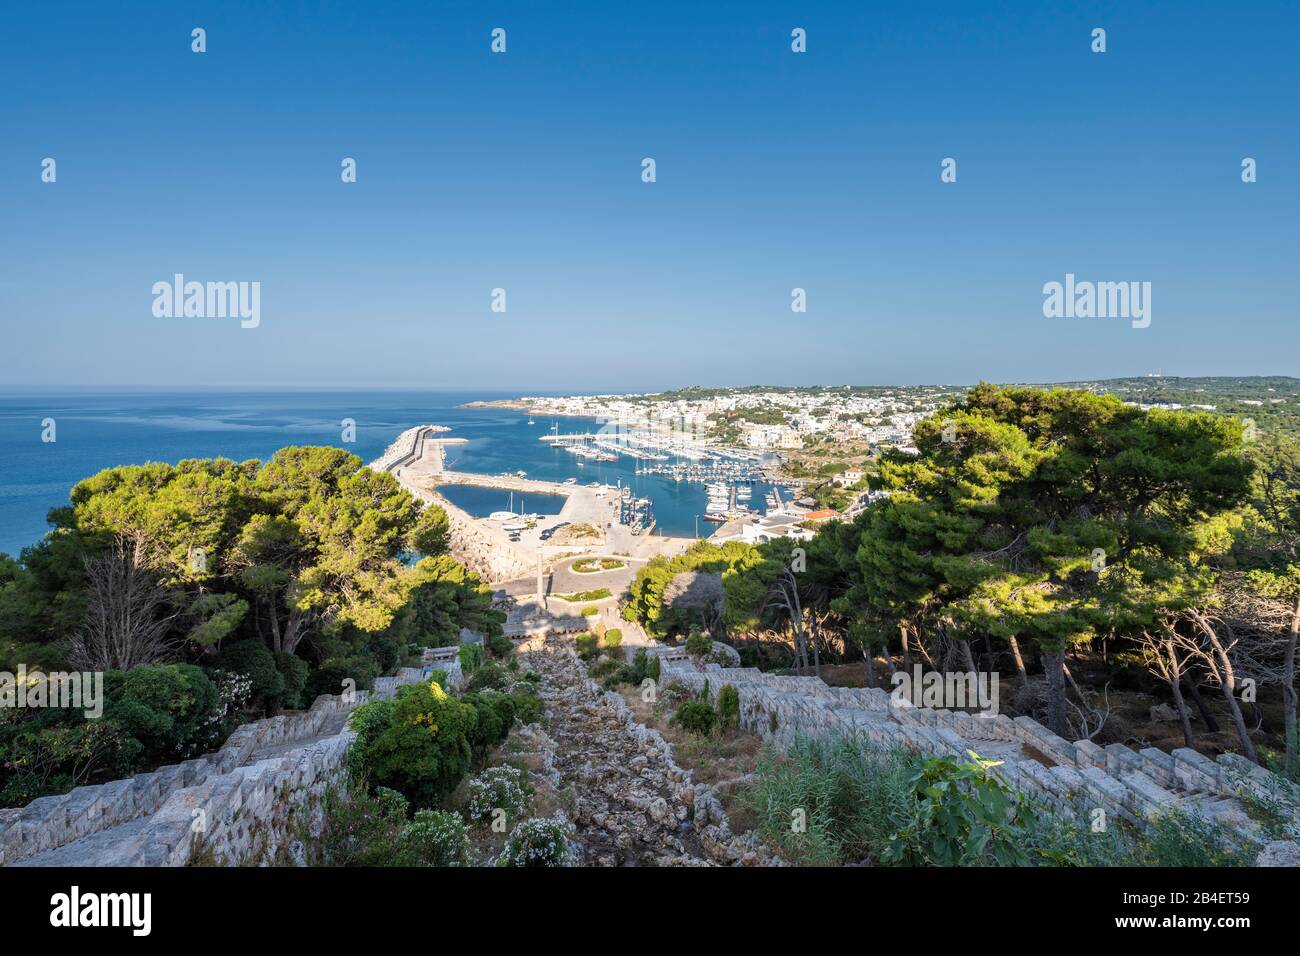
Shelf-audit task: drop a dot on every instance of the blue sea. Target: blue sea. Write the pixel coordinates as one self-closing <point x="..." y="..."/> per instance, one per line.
<point x="94" y="430"/>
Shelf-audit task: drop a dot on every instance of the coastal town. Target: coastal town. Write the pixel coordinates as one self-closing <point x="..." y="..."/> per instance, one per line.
<point x="759" y="418"/>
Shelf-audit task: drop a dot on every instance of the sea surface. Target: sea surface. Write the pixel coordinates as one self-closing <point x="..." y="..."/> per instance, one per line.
<point x="94" y="430"/>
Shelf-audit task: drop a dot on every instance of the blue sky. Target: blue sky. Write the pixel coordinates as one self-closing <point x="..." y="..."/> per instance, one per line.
<point x="522" y="171"/>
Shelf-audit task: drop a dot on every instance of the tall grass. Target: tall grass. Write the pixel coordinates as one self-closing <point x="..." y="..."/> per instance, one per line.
<point x="841" y="800"/>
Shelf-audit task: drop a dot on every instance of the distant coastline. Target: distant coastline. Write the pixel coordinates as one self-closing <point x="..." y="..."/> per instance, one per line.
<point x="517" y="405"/>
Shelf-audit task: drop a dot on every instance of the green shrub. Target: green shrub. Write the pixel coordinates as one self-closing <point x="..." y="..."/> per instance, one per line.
<point x="962" y="816"/>
<point x="603" y="668"/>
<point x="424" y="750"/>
<point x="42" y="761"/>
<point x="696" y="717"/>
<point x="369" y="831"/>
<point x="504" y="789"/>
<point x="331" y="676"/>
<point x="496" y="715"/>
<point x="528" y="706"/>
<point x="699" y="644"/>
<point x="598" y="594"/>
<point x="858" y="803"/>
<point x="174" y="711"/>
<point x="367" y="721"/>
<point x="1183" y="840"/>
<point x="590" y="610"/>
<point x="541" y="841"/>
<point x="613" y="637"/>
<point x="492" y="675"/>
<point x="652" y="669"/>
<point x="254" y="660"/>
<point x="501" y="645"/>
<point x="295" y="672"/>
<point x="361" y="830"/>
<point x="621" y="675"/>
<point x="471" y="658"/>
<point x="433" y="838"/>
<point x="587" y="645"/>
<point x="728" y="707"/>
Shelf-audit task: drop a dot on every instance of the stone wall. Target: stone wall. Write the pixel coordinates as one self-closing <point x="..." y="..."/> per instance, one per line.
<point x="247" y="795"/>
<point x="1135" y="786"/>
<point x="406" y="448"/>
<point x="490" y="557"/>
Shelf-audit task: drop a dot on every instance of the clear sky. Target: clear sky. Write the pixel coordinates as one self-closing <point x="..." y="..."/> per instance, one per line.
<point x="523" y="171"/>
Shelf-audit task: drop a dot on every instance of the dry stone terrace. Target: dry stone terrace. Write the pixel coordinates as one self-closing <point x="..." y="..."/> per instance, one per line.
<point x="632" y="804"/>
<point x="1130" y="785"/>
<point x="247" y="794"/>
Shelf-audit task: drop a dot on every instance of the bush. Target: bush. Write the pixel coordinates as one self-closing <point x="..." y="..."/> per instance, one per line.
<point x="425" y="748"/>
<point x="652" y="669"/>
<point x="962" y="816"/>
<point x="696" y="717"/>
<point x="698" y="644"/>
<point x="528" y="707"/>
<point x="471" y="658"/>
<point x="613" y="637"/>
<point x="587" y="645"/>
<point x="728" y="707"/>
<point x="499" y="788"/>
<point x="598" y="594"/>
<point x="491" y="676"/>
<point x="541" y="841"/>
<point x="295" y="672"/>
<point x="603" y="668"/>
<point x="330" y="677"/>
<point x="361" y="830"/>
<point x="433" y="838"/>
<point x="173" y="711"/>
<point x="374" y="831"/>
<point x="51" y="760"/>
<point x="501" y="645"/>
<point x="852" y="798"/>
<point x="496" y="715"/>
<point x="255" y="660"/>
<point x="590" y="610"/>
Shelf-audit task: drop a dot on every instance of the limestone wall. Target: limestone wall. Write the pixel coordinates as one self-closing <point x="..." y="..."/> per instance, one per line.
<point x="488" y="555"/>
<point x="406" y="448"/>
<point x="1130" y="785"/>
<point x="264" y="770"/>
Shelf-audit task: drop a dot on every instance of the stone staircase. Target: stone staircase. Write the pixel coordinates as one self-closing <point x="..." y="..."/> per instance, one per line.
<point x="150" y="819"/>
<point x="1135" y="786"/>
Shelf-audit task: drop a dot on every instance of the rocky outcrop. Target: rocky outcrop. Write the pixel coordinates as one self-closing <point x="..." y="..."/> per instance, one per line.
<point x="632" y="804"/>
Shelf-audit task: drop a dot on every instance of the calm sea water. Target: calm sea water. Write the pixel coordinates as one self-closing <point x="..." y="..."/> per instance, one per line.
<point x="96" y="430"/>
